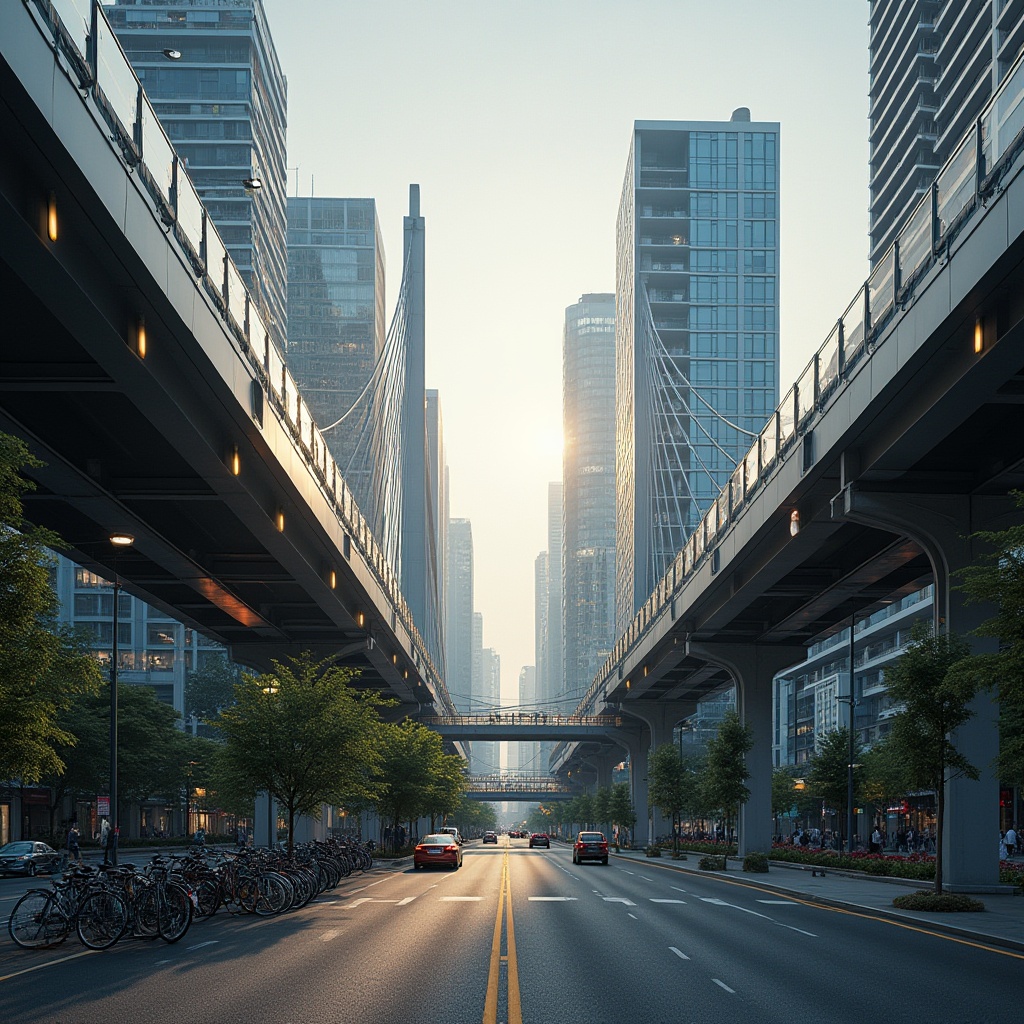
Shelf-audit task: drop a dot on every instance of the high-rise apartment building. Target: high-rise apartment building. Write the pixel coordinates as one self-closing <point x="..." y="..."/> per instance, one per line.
<point x="588" y="491"/>
<point x="697" y="357"/>
<point x="336" y="323"/>
<point x="459" y="617"/>
<point x="223" y="104"/>
<point x="934" y="65"/>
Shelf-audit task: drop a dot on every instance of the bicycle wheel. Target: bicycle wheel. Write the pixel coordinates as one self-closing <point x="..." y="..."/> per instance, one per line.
<point x="175" y="913"/>
<point x="37" y="921"/>
<point x="271" y="894"/>
<point x="102" y="919"/>
<point x="208" y="894"/>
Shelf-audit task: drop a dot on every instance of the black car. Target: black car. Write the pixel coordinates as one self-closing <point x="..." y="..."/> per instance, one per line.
<point x="27" y="857"/>
<point x="491" y="837"/>
<point x="540" y="839"/>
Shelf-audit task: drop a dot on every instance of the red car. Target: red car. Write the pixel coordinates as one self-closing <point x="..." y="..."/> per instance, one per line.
<point x="540" y="839"/>
<point x="590" y="846"/>
<point x="437" y="850"/>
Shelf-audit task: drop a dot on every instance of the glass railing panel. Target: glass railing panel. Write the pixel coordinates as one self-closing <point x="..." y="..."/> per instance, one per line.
<point x="915" y="239"/>
<point x="319" y="449"/>
<point x="698" y="542"/>
<point x="769" y="441"/>
<point x="157" y="151"/>
<point x="688" y="557"/>
<point x="190" y="212"/>
<point x="115" y="77"/>
<point x="957" y="183"/>
<point x="257" y="333"/>
<point x="1004" y="118"/>
<point x="828" y="363"/>
<point x="275" y="371"/>
<point x="882" y="287"/>
<point x="853" y="330"/>
<point x="76" y="17"/>
<point x="787" y="418"/>
<point x="735" y="489"/>
<point x="750" y="469"/>
<point x="724" y="510"/>
<point x="216" y="254"/>
<point x="291" y="396"/>
<point x="806" y="398"/>
<point x="236" y="295"/>
<point x="711" y="521"/>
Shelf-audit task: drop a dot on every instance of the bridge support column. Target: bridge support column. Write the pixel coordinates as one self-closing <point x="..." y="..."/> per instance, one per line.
<point x="942" y="525"/>
<point x="659" y="718"/>
<point x="753" y="666"/>
<point x="264" y="831"/>
<point x="602" y="765"/>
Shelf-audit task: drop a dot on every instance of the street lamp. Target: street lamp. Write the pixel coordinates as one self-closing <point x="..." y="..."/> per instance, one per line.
<point x="849" y="767"/>
<point x="119" y="540"/>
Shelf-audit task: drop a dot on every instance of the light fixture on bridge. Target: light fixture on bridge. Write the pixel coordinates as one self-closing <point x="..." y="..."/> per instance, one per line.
<point x="122" y="540"/>
<point x="252" y="184"/>
<point x="627" y="684"/>
<point x="332" y="579"/>
<point x="394" y="659"/>
<point x="979" y="335"/>
<point x="235" y="460"/>
<point x="279" y="520"/>
<point x="169" y="53"/>
<point x="51" y="217"/>
<point x="140" y="337"/>
<point x="794" y="522"/>
<point x="360" y="619"/>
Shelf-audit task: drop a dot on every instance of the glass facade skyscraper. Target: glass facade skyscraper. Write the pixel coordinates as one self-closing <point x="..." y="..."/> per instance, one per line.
<point x="588" y="490"/>
<point x="336" y="318"/>
<point x="697" y="355"/>
<point x="224" y="106"/>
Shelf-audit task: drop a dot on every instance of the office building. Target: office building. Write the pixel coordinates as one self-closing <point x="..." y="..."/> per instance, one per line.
<point x="437" y="526"/>
<point x="224" y="106"/>
<point x="588" y="491"/>
<point x="336" y="327"/>
<point x="487" y="753"/>
<point x="459" y="614"/>
<point x="697" y="358"/>
<point x="523" y="756"/>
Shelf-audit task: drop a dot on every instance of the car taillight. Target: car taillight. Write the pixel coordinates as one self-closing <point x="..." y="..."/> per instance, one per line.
<point x="450" y="849"/>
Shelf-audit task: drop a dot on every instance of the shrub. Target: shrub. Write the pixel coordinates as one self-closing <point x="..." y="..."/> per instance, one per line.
<point x="943" y="902"/>
<point x="653" y="851"/>
<point x="756" y="862"/>
<point x="711" y="863"/>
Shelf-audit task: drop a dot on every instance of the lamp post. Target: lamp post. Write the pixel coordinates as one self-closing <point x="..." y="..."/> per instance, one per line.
<point x="119" y="540"/>
<point x="849" y="761"/>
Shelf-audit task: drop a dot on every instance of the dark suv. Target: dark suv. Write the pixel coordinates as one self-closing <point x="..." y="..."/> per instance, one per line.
<point x="590" y="846"/>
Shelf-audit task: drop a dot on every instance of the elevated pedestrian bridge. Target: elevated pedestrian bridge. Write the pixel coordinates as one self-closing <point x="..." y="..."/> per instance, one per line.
<point x="527" y="726"/>
<point x="518" y="788"/>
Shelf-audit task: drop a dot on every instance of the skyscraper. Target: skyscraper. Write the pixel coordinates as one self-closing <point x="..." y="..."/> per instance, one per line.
<point x="459" y="618"/>
<point x="552" y="684"/>
<point x="336" y="323"/>
<point x="437" y="514"/>
<point x="697" y="361"/>
<point x="223" y="104"/>
<point x="588" y="490"/>
<point x="934" y="65"/>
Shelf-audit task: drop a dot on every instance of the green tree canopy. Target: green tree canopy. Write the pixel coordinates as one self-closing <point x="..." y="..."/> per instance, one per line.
<point x="725" y="768"/>
<point x="828" y="777"/>
<point x="211" y="688"/>
<point x="42" y="666"/>
<point x="935" y="701"/>
<point x="622" y="811"/>
<point x="669" y="784"/>
<point x="301" y="733"/>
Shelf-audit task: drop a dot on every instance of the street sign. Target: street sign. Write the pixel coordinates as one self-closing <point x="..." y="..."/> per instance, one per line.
<point x="103" y="806"/>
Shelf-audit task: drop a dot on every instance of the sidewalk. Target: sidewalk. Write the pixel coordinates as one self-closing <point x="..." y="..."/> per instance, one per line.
<point x="1001" y="923"/>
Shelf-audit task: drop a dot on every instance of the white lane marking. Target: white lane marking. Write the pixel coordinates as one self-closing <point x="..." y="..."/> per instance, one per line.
<point x="199" y="945"/>
<point x="406" y="901"/>
<point x="618" y="899"/>
<point x="722" y="903"/>
<point x="370" y="886"/>
<point x="49" y="963"/>
<point x="461" y="899"/>
<point x="646" y="879"/>
<point x="679" y="953"/>
<point x="627" y="872"/>
<point x="669" y="901"/>
<point x="677" y="889"/>
<point x="160" y="963"/>
<point x="722" y="984"/>
<point x="778" y="903"/>
<point x="355" y="903"/>
<point x="635" y="918"/>
<point x="800" y="930"/>
<point x="551" y="899"/>
<point x="328" y="935"/>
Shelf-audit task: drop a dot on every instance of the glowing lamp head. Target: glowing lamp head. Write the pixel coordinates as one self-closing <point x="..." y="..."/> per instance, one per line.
<point x="794" y="522"/>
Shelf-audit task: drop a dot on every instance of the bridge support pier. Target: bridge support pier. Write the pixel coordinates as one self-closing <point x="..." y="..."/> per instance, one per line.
<point x="753" y="666"/>
<point x="264" y="831"/>
<point x="942" y="525"/>
<point x="659" y="719"/>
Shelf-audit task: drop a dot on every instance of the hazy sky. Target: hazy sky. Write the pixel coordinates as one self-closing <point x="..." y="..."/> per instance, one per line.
<point x="515" y="119"/>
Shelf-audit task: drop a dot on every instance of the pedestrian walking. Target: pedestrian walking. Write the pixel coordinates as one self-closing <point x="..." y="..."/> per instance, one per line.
<point x="105" y="840"/>
<point x="1011" y="841"/>
<point x="74" y="843"/>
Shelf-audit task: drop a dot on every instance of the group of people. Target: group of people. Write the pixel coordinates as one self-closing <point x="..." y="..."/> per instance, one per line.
<point x="107" y="837"/>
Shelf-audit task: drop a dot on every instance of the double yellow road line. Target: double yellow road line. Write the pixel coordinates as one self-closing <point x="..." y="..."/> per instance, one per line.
<point x="515" y="1012"/>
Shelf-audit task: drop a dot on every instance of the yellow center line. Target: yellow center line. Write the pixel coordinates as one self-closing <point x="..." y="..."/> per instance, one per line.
<point x="515" y="1013"/>
<point x="491" y="999"/>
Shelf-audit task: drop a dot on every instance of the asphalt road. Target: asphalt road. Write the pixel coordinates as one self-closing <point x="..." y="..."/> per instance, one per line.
<point x="521" y="935"/>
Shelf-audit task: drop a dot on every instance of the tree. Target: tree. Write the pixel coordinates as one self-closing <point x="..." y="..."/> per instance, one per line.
<point x="997" y="577"/>
<point x="885" y="774"/>
<point x="414" y="776"/>
<point x="302" y="734"/>
<point x="935" y="703"/>
<point x="603" y="805"/>
<point x="783" y="792"/>
<point x="667" y="785"/>
<point x="211" y="688"/>
<point x="623" y="813"/>
<point x="829" y="775"/>
<point x="725" y="772"/>
<point x="42" y="667"/>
